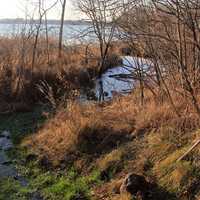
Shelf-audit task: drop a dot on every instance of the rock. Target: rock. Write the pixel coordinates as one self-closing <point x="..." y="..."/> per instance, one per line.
<point x="7" y="171"/>
<point x="134" y="184"/>
<point x="5" y="141"/>
<point x="23" y="182"/>
<point x="5" y="144"/>
<point x="3" y="158"/>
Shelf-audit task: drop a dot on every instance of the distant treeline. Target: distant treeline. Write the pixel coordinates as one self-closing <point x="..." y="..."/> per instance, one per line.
<point x="51" y="21"/>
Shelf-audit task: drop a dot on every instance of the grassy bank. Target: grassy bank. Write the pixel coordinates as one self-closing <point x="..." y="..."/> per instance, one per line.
<point x="122" y="137"/>
<point x="85" y="151"/>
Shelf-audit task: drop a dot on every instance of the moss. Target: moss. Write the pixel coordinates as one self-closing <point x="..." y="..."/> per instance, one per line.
<point x="65" y="189"/>
<point x="60" y="185"/>
<point x="72" y="186"/>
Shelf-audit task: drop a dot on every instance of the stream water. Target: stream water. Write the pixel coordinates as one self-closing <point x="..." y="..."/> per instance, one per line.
<point x="120" y="80"/>
<point x="7" y="166"/>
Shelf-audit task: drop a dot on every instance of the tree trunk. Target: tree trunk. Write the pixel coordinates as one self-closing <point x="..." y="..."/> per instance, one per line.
<point x="61" y="29"/>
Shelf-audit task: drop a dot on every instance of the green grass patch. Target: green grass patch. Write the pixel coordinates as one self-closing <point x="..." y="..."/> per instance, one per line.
<point x="59" y="185"/>
<point x="67" y="185"/>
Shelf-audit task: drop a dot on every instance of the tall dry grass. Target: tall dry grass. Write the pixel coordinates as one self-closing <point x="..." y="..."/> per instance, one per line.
<point x="90" y="129"/>
<point x="22" y="81"/>
<point x="95" y="129"/>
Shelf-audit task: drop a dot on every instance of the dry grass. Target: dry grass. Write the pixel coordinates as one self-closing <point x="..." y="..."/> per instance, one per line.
<point x="126" y="196"/>
<point x="94" y="128"/>
<point x="98" y="136"/>
<point x="19" y="78"/>
<point x="85" y="128"/>
<point x="110" y="159"/>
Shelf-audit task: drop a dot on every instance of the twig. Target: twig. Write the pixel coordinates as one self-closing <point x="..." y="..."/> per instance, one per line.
<point x="187" y="152"/>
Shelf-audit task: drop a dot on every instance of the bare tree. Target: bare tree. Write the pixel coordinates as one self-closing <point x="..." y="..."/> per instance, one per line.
<point x="169" y="33"/>
<point x="61" y="28"/>
<point x="103" y="15"/>
<point x="42" y="12"/>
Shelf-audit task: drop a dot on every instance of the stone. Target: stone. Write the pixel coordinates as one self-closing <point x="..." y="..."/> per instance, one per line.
<point x="134" y="184"/>
<point x="23" y="182"/>
<point x="5" y="144"/>
<point x="3" y="158"/>
<point x="7" y="171"/>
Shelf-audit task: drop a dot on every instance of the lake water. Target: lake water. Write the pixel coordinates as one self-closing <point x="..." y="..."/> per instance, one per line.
<point x="71" y="33"/>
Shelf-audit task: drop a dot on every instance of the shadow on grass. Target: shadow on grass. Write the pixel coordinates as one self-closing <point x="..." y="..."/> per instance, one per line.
<point x="21" y="124"/>
<point x="100" y="140"/>
<point x="156" y="192"/>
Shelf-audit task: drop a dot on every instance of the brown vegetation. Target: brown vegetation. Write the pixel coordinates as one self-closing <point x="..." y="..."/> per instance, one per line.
<point x="52" y="77"/>
<point x="145" y="132"/>
<point x="120" y="137"/>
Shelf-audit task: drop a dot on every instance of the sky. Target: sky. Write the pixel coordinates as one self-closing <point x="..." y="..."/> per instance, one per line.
<point x="19" y="8"/>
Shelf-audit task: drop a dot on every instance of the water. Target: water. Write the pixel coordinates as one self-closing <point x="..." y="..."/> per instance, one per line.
<point x="120" y="80"/>
<point x="71" y="33"/>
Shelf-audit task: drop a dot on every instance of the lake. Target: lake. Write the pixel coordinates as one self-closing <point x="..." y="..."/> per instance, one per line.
<point x="71" y="33"/>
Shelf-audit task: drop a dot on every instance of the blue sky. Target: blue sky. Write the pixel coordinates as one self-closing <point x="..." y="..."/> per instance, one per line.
<point x="17" y="9"/>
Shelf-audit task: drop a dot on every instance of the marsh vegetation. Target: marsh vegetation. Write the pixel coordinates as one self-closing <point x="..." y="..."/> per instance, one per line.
<point x="88" y="118"/>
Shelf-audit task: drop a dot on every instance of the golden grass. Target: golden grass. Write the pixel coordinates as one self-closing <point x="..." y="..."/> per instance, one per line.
<point x="93" y="125"/>
<point x="70" y="127"/>
<point x="125" y="196"/>
<point x="20" y="78"/>
<point x="110" y="159"/>
<point x="88" y="132"/>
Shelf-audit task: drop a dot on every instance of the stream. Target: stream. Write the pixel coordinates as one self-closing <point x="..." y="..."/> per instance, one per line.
<point x="120" y="80"/>
<point x="7" y="166"/>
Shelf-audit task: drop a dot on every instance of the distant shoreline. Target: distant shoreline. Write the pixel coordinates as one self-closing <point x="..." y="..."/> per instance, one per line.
<point x="51" y="21"/>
